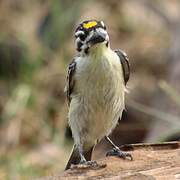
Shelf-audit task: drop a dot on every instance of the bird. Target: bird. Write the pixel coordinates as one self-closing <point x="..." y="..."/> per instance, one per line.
<point x="95" y="90"/>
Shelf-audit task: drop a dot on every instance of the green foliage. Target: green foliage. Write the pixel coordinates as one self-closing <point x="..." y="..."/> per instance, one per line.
<point x="12" y="57"/>
<point x="58" y="23"/>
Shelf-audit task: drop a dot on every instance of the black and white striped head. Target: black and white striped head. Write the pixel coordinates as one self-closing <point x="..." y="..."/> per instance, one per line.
<point x="89" y="33"/>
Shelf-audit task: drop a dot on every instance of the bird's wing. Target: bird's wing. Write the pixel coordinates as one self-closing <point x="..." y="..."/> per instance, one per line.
<point x="125" y="64"/>
<point x="70" y="80"/>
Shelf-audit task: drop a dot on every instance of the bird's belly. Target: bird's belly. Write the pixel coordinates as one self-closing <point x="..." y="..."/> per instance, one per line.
<point x="97" y="108"/>
<point x="97" y="101"/>
<point x="105" y="108"/>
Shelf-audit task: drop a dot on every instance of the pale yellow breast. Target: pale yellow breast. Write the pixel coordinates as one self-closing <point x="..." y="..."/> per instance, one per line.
<point x="99" y="95"/>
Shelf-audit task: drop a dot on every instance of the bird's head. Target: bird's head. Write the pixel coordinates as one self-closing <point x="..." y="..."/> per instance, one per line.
<point x="89" y="34"/>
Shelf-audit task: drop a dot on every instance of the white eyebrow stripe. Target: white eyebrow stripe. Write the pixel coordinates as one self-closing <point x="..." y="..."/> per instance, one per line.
<point x="101" y="30"/>
<point x="78" y="33"/>
<point x="102" y="23"/>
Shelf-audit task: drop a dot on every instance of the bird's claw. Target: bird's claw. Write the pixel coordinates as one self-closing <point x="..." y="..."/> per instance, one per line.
<point x="117" y="152"/>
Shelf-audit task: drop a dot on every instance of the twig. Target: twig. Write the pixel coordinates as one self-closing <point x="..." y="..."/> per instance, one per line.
<point x="172" y="119"/>
<point x="170" y="91"/>
<point x="154" y="7"/>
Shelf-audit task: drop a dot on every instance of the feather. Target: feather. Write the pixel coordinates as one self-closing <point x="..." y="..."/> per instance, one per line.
<point x="70" y="80"/>
<point x="125" y="64"/>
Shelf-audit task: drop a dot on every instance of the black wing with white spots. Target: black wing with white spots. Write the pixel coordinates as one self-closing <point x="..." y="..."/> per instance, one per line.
<point x="125" y="64"/>
<point x="70" y="80"/>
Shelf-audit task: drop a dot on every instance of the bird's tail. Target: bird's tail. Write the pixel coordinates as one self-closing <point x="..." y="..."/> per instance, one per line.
<point x="75" y="157"/>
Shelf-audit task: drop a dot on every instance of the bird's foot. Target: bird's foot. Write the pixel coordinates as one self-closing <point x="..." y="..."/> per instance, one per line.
<point x="117" y="152"/>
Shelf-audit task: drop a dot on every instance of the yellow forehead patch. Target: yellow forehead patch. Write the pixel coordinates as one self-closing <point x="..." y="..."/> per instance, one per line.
<point x="90" y="24"/>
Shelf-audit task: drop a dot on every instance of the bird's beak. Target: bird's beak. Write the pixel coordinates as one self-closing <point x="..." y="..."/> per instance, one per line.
<point x="97" y="37"/>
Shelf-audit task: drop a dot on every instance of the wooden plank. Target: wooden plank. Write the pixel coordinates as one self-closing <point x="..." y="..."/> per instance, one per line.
<point x="150" y="161"/>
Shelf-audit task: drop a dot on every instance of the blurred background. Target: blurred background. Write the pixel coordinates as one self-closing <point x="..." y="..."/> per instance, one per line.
<point x="36" y="45"/>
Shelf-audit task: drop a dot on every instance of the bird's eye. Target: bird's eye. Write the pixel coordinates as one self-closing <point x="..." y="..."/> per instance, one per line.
<point x="82" y="37"/>
<point x="104" y="27"/>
